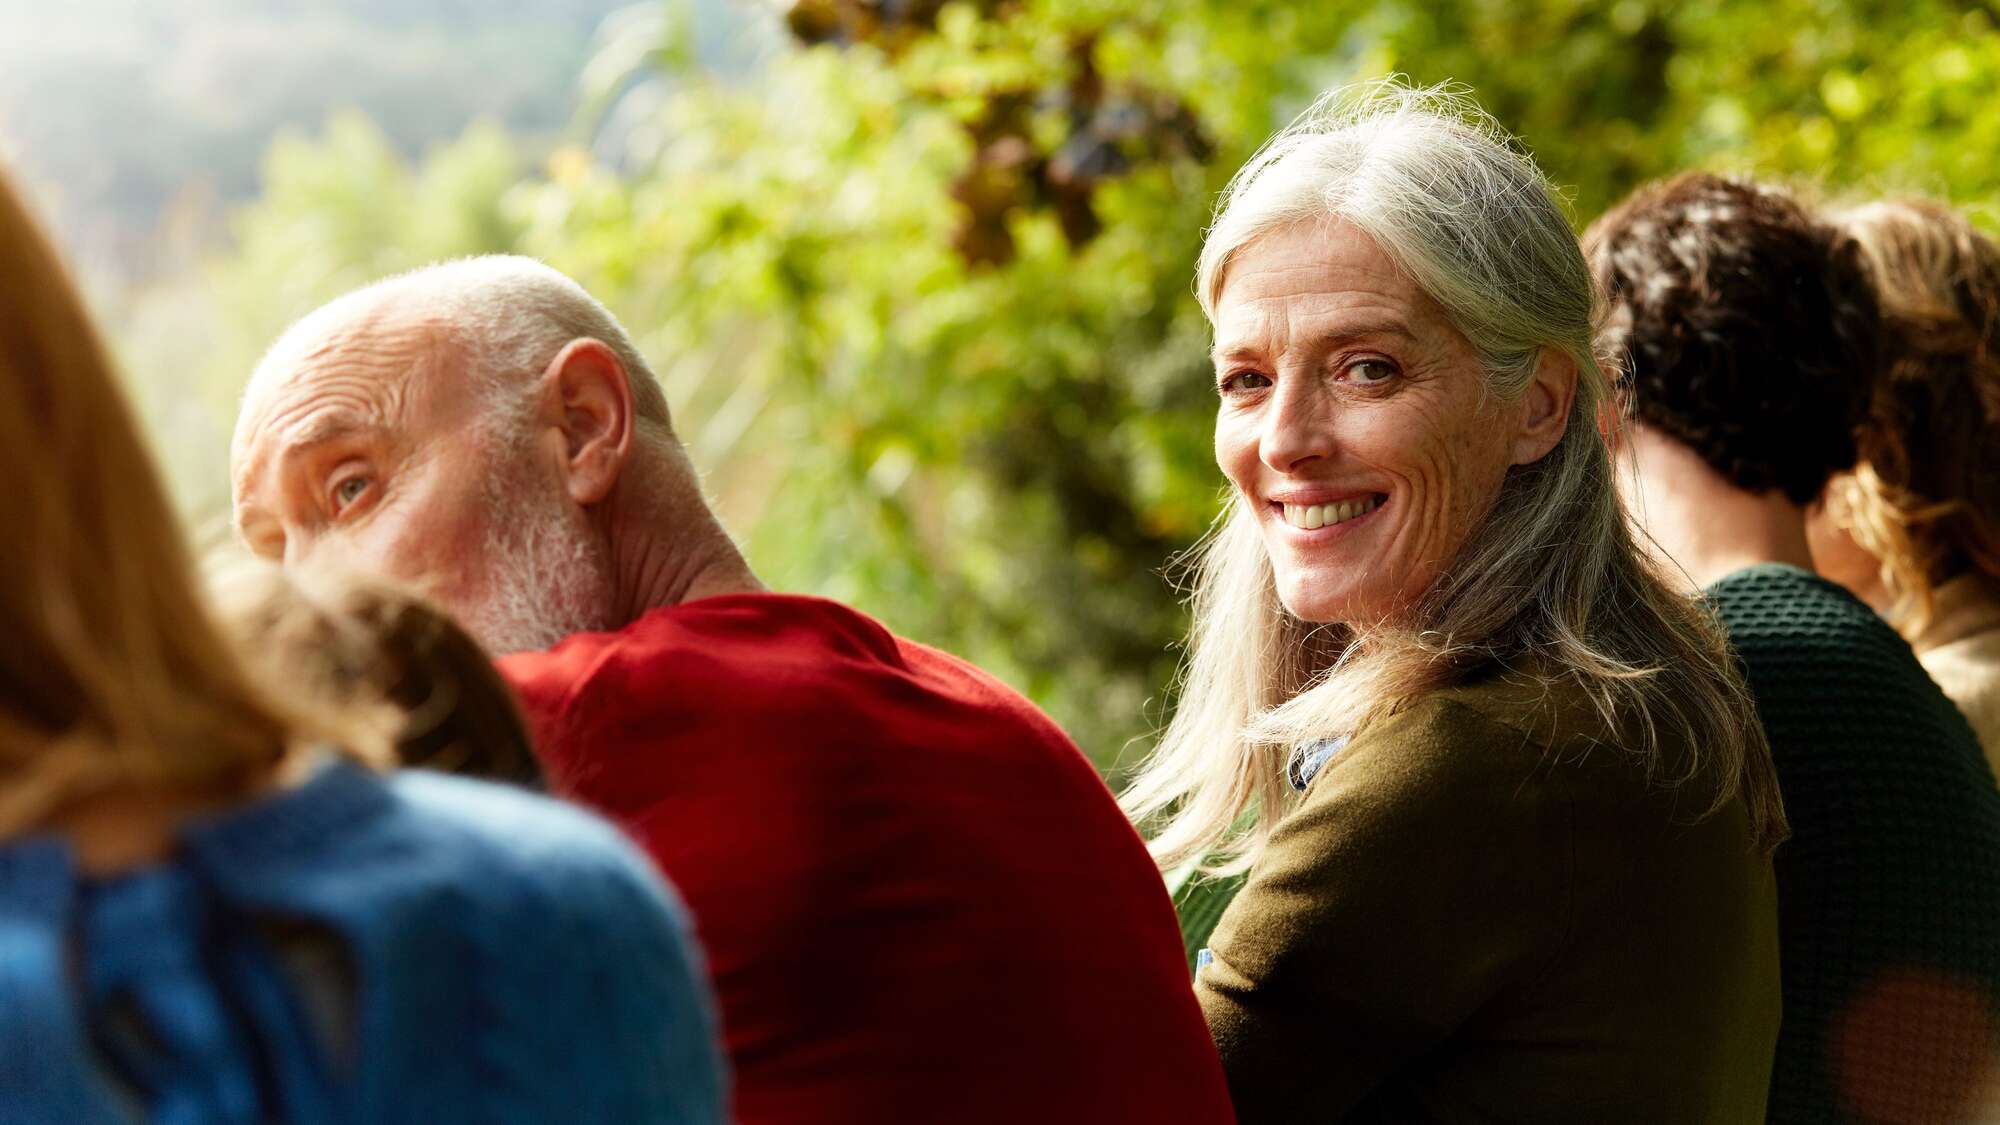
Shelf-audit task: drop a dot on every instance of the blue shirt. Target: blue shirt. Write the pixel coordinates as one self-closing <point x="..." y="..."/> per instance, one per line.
<point x="415" y="948"/>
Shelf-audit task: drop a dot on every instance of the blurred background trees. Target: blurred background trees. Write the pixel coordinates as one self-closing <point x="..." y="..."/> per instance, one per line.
<point x="916" y="275"/>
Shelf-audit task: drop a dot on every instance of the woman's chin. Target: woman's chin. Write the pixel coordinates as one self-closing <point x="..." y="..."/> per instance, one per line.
<point x="1329" y="596"/>
<point x="1320" y="606"/>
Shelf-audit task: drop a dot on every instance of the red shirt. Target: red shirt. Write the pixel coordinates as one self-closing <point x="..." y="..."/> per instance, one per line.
<point x="918" y="900"/>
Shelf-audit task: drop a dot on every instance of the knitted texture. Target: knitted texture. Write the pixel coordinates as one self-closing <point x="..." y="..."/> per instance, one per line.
<point x="1889" y="889"/>
<point x="421" y="949"/>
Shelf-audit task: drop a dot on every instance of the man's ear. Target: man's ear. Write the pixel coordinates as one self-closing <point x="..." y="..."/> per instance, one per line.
<point x="1545" y="407"/>
<point x="592" y="399"/>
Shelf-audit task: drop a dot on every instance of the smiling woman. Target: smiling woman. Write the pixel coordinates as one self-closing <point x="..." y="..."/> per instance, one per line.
<point x="1529" y="876"/>
<point x="1355" y="424"/>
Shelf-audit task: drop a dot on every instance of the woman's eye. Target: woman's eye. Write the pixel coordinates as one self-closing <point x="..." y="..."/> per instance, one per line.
<point x="348" y="491"/>
<point x="1370" y="371"/>
<point x="1245" y="381"/>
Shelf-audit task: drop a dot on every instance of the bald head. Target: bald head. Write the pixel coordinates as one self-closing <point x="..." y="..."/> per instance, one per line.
<point x="505" y="316"/>
<point x="461" y="428"/>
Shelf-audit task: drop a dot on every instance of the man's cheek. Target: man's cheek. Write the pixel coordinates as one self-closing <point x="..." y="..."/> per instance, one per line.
<point x="398" y="549"/>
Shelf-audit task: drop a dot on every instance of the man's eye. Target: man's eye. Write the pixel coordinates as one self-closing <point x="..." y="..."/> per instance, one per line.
<point x="1245" y="381"/>
<point x="1370" y="371"/>
<point x="348" y="491"/>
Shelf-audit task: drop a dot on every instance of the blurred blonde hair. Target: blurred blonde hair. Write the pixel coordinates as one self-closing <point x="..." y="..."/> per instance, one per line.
<point x="1925" y="496"/>
<point x="1552" y="573"/>
<point x="113" y="673"/>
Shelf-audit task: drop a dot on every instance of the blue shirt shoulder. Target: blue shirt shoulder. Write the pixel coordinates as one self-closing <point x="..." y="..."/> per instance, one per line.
<point x="416" y="948"/>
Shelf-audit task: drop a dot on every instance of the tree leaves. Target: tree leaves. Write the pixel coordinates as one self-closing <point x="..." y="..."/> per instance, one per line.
<point x="919" y="282"/>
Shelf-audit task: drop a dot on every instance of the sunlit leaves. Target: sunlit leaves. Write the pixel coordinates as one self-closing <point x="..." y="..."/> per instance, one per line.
<point x="929" y="393"/>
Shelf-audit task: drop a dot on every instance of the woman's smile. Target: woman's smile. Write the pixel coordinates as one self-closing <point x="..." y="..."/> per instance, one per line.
<point x="1319" y="520"/>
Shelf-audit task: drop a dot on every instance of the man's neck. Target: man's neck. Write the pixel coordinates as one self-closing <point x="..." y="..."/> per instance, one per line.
<point x="667" y="546"/>
<point x="1705" y="525"/>
<point x="667" y="569"/>
<point x="1761" y="528"/>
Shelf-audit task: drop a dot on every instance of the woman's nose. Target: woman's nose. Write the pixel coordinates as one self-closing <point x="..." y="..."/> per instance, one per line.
<point x="1298" y="427"/>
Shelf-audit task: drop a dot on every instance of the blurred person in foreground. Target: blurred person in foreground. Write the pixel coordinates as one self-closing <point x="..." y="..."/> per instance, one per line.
<point x="1914" y="528"/>
<point x="1505" y="809"/>
<point x="918" y="899"/>
<point x="356" y="643"/>
<point x="1748" y="337"/>
<point x="211" y="908"/>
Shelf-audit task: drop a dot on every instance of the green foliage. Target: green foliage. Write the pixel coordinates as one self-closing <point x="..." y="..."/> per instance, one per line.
<point x="920" y="294"/>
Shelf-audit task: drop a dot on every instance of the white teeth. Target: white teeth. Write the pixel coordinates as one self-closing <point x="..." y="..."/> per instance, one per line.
<point x="1311" y="517"/>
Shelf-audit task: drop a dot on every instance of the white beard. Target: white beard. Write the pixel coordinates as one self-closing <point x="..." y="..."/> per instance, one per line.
<point x="546" y="577"/>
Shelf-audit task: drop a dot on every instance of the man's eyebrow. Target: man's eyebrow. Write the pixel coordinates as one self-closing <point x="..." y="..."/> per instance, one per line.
<point x="300" y="439"/>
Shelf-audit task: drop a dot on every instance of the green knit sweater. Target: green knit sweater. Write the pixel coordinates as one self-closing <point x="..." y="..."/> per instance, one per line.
<point x="1889" y="890"/>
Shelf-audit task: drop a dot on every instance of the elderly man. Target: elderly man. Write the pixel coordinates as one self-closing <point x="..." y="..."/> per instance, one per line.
<point x="918" y="900"/>
<point x="1748" y="338"/>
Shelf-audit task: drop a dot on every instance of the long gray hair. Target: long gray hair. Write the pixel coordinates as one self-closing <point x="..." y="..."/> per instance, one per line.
<point x="1552" y="573"/>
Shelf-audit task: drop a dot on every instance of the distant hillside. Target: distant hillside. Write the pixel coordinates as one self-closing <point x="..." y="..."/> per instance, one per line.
<point x="111" y="111"/>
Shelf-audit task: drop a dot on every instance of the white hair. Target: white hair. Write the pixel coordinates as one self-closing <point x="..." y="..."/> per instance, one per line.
<point x="1552" y="572"/>
<point x="1441" y="189"/>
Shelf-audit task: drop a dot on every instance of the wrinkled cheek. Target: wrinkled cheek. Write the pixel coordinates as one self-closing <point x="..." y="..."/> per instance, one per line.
<point x="1473" y="467"/>
<point x="1430" y="498"/>
<point x="405" y="555"/>
<point x="1439" y="501"/>
<point x="435" y="562"/>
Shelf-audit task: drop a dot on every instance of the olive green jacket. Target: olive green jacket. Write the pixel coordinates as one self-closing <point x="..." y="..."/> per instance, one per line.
<point x="1482" y="912"/>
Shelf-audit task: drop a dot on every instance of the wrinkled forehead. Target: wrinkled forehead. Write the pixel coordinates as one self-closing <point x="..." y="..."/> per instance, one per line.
<point x="1319" y="271"/>
<point x="372" y="370"/>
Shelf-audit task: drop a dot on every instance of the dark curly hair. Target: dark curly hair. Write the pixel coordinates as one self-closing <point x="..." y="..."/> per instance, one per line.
<point x="1737" y="323"/>
<point x="1925" y="500"/>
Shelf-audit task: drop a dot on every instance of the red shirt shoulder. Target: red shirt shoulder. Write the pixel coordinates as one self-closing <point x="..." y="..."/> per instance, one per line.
<point x="913" y="888"/>
<point x="784" y="674"/>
